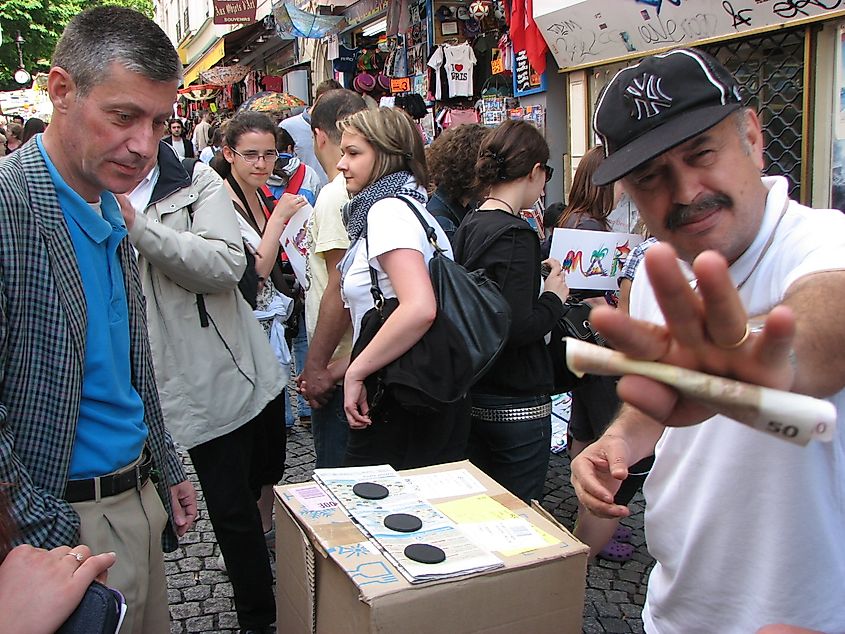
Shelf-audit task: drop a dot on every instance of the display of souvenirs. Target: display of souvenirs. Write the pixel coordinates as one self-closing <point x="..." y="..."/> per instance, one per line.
<point x="453" y="66"/>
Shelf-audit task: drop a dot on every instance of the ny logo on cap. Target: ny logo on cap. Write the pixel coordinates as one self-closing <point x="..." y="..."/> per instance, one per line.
<point x="647" y="95"/>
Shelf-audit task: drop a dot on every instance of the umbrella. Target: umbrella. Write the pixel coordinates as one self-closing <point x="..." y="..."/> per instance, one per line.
<point x="224" y="75"/>
<point x="201" y="92"/>
<point x="271" y="102"/>
<point x="292" y="22"/>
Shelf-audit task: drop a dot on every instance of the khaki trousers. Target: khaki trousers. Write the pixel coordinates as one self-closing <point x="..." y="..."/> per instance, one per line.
<point x="130" y="524"/>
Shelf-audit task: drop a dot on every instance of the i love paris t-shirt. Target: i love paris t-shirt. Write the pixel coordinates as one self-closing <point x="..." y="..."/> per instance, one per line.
<point x="454" y="66"/>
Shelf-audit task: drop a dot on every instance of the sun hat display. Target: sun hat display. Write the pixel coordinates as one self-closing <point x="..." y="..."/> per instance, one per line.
<point x="364" y="82"/>
<point x="658" y="104"/>
<point x="383" y="82"/>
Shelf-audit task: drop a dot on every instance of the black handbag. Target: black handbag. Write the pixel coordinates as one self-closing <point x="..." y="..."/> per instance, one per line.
<point x="468" y="333"/>
<point x="574" y="323"/>
<point x="471" y="301"/>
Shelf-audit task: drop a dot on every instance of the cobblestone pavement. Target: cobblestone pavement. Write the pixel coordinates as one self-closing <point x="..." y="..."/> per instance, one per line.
<point x="201" y="596"/>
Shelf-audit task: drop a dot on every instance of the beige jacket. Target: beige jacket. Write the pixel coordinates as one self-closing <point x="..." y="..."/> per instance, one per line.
<point x="211" y="379"/>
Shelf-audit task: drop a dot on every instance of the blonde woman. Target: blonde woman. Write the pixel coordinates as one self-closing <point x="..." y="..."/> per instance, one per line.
<point x="383" y="160"/>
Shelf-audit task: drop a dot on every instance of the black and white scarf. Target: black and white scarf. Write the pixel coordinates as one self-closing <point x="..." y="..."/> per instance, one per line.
<point x="356" y="210"/>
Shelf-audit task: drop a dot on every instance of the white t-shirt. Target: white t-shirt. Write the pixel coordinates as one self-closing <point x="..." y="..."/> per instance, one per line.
<point x="747" y="529"/>
<point x="391" y="225"/>
<point x="326" y="232"/>
<point x="303" y="138"/>
<point x="457" y="63"/>
<point x="178" y="146"/>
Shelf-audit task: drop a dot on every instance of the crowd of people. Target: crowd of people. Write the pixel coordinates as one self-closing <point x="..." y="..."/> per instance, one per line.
<point x="147" y="306"/>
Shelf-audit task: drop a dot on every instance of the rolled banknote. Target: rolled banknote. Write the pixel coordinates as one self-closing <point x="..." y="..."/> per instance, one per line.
<point x="796" y="418"/>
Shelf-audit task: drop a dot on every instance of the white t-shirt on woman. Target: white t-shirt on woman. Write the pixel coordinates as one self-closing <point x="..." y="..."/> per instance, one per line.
<point x="391" y="225"/>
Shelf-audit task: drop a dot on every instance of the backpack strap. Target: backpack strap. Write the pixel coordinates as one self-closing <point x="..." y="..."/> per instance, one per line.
<point x="296" y="180"/>
<point x="190" y="164"/>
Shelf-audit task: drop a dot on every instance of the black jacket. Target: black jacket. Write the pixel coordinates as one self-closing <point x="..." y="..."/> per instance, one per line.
<point x="508" y="250"/>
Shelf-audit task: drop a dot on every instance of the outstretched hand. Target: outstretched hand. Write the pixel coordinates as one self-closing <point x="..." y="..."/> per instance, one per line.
<point x="705" y="331"/>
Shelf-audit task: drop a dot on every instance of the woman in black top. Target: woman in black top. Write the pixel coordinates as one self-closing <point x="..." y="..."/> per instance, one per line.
<point x="511" y="424"/>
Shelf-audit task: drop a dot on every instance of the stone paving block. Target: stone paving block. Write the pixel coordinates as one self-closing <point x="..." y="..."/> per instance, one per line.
<point x="199" y="550"/>
<point x="200" y="624"/>
<point x="631" y="611"/>
<point x="625" y="586"/>
<point x="181" y="580"/>
<point x="614" y="626"/>
<point x="227" y="620"/>
<point x="609" y="610"/>
<point x="197" y="593"/>
<point x="216" y="605"/>
<point x="185" y="610"/>
<point x="190" y="564"/>
<point x="223" y="590"/>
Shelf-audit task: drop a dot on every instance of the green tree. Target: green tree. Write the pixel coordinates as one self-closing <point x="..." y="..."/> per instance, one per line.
<point x="40" y="23"/>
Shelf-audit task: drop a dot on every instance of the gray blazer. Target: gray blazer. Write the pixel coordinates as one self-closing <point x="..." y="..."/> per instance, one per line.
<point x="43" y="319"/>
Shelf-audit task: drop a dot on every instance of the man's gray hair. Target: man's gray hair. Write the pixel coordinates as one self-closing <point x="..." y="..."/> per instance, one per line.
<point x="99" y="36"/>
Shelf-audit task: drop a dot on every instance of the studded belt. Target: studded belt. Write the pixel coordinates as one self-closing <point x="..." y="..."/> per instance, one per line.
<point x="512" y="415"/>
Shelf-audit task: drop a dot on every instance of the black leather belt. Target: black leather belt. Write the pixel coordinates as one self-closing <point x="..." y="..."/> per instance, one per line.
<point x="109" y="485"/>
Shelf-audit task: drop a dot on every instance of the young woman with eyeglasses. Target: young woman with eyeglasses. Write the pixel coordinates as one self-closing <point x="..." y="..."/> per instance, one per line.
<point x="511" y="404"/>
<point x="247" y="158"/>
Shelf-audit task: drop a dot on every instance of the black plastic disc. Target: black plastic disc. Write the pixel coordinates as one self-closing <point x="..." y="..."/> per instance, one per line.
<point x="403" y="522"/>
<point x="425" y="553"/>
<point x="370" y="491"/>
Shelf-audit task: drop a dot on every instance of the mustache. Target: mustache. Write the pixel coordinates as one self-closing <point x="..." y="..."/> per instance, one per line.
<point x="682" y="214"/>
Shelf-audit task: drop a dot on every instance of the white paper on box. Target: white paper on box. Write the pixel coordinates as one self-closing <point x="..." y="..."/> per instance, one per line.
<point x="446" y="484"/>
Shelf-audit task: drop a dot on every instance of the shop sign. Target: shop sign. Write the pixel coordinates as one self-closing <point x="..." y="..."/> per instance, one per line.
<point x="497" y="66"/>
<point x="234" y="11"/>
<point x="526" y="80"/>
<point x="592" y="32"/>
<point x="363" y="10"/>
<point x="400" y="84"/>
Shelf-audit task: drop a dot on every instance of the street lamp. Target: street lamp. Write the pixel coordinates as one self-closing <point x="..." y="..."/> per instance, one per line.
<point x="22" y="76"/>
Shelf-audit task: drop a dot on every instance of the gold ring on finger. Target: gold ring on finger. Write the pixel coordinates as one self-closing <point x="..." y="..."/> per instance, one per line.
<point x="742" y="340"/>
<point x="78" y="556"/>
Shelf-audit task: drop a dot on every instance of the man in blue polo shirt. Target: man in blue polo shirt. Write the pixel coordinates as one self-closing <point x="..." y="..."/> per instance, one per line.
<point x="82" y="438"/>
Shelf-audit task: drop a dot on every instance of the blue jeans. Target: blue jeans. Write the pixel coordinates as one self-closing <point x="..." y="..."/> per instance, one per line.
<point x="298" y="354"/>
<point x="515" y="454"/>
<point x="331" y="431"/>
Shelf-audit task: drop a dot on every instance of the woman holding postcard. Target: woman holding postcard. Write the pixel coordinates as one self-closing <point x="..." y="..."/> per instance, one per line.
<point x="594" y="401"/>
<point x="511" y="413"/>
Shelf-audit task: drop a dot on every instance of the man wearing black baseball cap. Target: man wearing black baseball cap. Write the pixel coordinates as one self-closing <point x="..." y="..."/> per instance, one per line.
<point x="745" y="527"/>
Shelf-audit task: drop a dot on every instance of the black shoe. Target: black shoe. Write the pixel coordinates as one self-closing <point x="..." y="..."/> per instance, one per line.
<point x="258" y="630"/>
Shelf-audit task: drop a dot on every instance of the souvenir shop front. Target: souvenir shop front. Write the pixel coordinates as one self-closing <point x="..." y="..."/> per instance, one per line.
<point x="446" y="62"/>
<point x="258" y="61"/>
<point x="787" y="58"/>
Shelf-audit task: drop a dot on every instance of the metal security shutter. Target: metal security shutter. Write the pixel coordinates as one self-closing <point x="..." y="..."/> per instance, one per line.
<point x="770" y="69"/>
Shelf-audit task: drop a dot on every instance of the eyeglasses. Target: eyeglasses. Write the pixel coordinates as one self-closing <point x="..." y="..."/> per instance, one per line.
<point x="269" y="156"/>
<point x="549" y="171"/>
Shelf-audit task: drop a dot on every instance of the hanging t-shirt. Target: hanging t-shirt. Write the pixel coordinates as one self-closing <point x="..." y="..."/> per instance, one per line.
<point x="332" y="48"/>
<point x="272" y="83"/>
<point x="346" y="59"/>
<point x="454" y="67"/>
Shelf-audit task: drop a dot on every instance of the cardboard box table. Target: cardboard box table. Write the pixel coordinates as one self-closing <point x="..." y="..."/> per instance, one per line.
<point x="329" y="581"/>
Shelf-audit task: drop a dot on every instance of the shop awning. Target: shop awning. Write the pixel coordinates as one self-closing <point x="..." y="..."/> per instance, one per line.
<point x="206" y="61"/>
